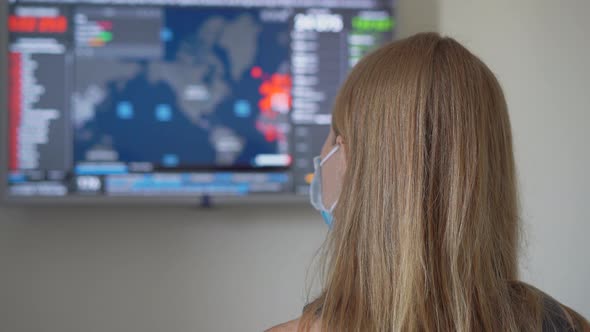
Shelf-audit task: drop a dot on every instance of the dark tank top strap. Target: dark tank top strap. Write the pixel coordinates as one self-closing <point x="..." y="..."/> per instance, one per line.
<point x="555" y="319"/>
<point x="318" y="312"/>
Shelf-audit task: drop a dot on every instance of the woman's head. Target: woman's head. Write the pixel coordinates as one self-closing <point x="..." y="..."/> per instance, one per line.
<point x="426" y="226"/>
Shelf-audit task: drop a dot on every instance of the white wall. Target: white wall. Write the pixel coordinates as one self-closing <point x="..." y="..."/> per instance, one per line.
<point x="243" y="269"/>
<point x="154" y="269"/>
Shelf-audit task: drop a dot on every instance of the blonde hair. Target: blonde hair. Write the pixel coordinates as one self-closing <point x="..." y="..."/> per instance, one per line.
<point x="426" y="230"/>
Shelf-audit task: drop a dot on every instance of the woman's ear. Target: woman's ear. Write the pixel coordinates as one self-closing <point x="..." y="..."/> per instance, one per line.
<point x="343" y="149"/>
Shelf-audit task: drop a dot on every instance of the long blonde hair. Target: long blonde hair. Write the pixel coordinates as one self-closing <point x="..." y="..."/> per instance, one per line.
<point x="426" y="230"/>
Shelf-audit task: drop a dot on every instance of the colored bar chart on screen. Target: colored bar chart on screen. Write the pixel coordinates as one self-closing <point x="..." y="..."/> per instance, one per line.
<point x="118" y="32"/>
<point x="94" y="33"/>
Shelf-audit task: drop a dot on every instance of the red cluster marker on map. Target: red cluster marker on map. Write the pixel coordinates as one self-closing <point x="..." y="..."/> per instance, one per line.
<point x="275" y="91"/>
<point x="276" y="95"/>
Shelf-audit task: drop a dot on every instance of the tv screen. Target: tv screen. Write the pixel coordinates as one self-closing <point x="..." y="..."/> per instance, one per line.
<point x="168" y="98"/>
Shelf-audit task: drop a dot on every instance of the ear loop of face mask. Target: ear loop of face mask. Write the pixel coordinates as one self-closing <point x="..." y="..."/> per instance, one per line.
<point x="322" y="162"/>
<point x="316" y="195"/>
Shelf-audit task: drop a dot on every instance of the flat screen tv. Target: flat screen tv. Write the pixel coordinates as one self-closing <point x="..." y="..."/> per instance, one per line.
<point x="108" y="100"/>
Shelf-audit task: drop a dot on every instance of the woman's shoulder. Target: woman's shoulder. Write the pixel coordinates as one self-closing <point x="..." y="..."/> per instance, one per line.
<point x="292" y="326"/>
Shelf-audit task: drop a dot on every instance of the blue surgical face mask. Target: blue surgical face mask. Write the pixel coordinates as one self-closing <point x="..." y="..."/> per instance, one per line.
<point x="315" y="190"/>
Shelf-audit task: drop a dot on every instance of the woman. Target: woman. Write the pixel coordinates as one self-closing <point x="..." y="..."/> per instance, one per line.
<point x="418" y="176"/>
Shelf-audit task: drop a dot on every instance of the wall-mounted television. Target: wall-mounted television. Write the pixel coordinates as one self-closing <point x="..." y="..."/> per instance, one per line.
<point x="107" y="100"/>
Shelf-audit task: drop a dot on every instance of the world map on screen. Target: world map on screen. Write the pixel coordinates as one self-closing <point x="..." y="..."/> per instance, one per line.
<point x="218" y="96"/>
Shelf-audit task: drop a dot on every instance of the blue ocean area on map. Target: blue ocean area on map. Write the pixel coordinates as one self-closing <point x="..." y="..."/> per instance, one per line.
<point x="197" y="106"/>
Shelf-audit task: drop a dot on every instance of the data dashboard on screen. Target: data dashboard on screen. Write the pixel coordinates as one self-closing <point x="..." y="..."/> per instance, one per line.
<point x="166" y="98"/>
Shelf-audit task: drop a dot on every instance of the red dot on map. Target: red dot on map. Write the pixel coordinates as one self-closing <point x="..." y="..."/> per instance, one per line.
<point x="256" y="72"/>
